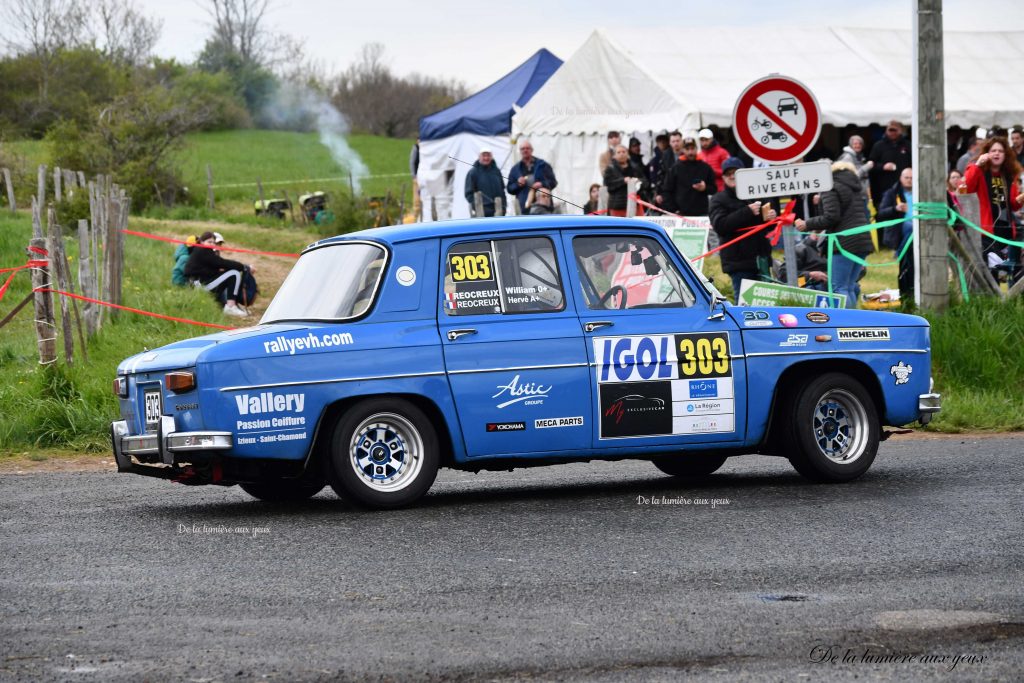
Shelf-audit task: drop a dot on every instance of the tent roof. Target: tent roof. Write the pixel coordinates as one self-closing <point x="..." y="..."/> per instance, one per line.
<point x="489" y="112"/>
<point x="627" y="81"/>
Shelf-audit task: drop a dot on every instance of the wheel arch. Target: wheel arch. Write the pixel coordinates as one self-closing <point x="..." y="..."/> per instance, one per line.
<point x="333" y="411"/>
<point x="795" y="375"/>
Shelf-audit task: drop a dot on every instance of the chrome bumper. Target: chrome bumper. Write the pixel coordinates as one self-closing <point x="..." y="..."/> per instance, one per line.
<point x="928" y="405"/>
<point x="165" y="443"/>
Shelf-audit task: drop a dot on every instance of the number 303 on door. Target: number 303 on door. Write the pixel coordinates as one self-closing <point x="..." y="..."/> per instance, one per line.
<point x="703" y="355"/>
<point x="464" y="267"/>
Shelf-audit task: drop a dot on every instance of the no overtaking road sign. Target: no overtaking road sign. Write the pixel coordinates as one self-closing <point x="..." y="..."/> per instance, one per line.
<point x="776" y="119"/>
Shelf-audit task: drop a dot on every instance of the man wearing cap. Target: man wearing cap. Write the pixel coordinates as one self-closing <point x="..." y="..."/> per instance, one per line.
<point x="749" y="257"/>
<point x="713" y="154"/>
<point x="690" y="183"/>
<point x="668" y="160"/>
<point x="486" y="179"/>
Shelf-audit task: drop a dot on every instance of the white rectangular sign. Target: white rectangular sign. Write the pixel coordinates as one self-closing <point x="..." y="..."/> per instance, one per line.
<point x="783" y="181"/>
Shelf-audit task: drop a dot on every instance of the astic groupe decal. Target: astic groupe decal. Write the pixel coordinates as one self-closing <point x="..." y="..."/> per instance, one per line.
<point x="664" y="384"/>
<point x="406" y="276"/>
<point x="901" y="371"/>
<point x="863" y="334"/>
<point x="818" y="317"/>
<point x="527" y="393"/>
<point x="757" y="319"/>
<point x="788" y="320"/>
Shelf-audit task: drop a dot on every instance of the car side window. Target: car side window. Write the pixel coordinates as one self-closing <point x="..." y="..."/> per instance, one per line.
<point x="510" y="276"/>
<point x="628" y="272"/>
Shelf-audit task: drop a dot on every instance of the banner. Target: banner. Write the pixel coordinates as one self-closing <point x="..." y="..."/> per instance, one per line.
<point x="756" y="293"/>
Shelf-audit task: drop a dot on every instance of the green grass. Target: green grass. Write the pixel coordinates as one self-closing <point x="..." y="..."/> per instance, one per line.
<point x="71" y="408"/>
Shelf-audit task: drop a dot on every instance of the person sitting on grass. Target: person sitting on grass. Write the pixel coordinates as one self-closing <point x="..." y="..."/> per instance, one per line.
<point x="220" y="276"/>
<point x="181" y="255"/>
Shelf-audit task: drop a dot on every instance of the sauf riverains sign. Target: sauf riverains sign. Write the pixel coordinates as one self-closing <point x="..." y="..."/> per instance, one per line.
<point x="783" y="181"/>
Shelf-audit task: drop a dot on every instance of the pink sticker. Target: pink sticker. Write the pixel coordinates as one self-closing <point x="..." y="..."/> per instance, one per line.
<point x="788" y="320"/>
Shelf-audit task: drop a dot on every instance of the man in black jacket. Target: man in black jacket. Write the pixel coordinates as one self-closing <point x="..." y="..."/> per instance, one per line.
<point x="218" y="275"/>
<point x="729" y="215"/>
<point x="486" y="179"/>
<point x="690" y="183"/>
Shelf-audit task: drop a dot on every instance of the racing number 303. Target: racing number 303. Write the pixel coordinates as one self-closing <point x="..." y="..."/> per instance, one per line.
<point x="703" y="355"/>
<point x="470" y="267"/>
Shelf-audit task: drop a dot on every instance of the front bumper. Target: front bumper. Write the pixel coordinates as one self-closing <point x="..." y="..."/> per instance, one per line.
<point x="166" y="446"/>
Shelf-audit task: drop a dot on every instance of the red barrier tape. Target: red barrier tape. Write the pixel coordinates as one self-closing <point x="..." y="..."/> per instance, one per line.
<point x="208" y="246"/>
<point x="133" y="310"/>
<point x="31" y="263"/>
<point x="785" y="219"/>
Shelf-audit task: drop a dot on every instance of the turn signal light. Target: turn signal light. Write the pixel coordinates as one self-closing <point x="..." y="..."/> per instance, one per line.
<point x="121" y="387"/>
<point x="180" y="381"/>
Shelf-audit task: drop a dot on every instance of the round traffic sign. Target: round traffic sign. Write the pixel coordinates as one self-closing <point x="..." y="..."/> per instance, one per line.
<point x="776" y="119"/>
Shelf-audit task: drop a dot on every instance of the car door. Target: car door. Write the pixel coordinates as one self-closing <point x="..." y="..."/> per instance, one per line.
<point x="513" y="347"/>
<point x="665" y="370"/>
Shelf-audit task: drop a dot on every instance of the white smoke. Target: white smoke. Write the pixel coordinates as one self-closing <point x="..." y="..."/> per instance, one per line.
<point x="298" y="107"/>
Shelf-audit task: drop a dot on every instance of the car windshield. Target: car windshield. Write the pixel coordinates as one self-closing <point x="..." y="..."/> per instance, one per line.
<point x="333" y="282"/>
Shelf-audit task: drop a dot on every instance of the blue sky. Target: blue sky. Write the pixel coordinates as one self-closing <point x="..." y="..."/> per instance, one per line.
<point x="478" y="42"/>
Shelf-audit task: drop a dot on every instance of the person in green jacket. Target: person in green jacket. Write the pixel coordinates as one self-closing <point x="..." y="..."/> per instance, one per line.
<point x="181" y="255"/>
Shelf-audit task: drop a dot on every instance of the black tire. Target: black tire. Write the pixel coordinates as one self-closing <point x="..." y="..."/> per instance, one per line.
<point x="284" y="490"/>
<point x="689" y="465"/>
<point x="831" y="428"/>
<point x="396" y="461"/>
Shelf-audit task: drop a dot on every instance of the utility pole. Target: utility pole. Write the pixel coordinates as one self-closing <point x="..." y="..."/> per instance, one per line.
<point x="931" y="241"/>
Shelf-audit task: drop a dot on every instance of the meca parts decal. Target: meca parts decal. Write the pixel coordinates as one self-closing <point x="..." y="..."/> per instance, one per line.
<point x="548" y="422"/>
<point x="290" y="345"/>
<point x="655" y="357"/>
<point x="661" y="385"/>
<point x="270" y="426"/>
<point x="863" y="334"/>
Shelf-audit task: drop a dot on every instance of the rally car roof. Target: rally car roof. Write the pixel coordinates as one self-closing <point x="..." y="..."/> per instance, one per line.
<point x="486" y="227"/>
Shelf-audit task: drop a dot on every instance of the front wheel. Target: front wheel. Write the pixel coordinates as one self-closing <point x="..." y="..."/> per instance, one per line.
<point x="384" y="454"/>
<point x="686" y="465"/>
<point x="833" y="428"/>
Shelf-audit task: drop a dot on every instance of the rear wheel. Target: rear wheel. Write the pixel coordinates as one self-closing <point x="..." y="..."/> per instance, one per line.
<point x="685" y="465"/>
<point x="384" y="454"/>
<point x="832" y="428"/>
<point x="284" y="490"/>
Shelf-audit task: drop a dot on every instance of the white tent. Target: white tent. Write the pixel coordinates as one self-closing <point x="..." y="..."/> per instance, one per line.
<point x="859" y="76"/>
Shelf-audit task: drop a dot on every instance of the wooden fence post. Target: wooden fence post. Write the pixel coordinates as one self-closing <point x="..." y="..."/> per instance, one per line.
<point x="41" y="185"/>
<point x="87" y="276"/>
<point x="45" y="329"/>
<point x="291" y="208"/>
<point x="209" y="187"/>
<point x="10" y="190"/>
<point x="499" y="206"/>
<point x="58" y="274"/>
<point x="263" y="202"/>
<point x="57" y="194"/>
<point x="478" y="204"/>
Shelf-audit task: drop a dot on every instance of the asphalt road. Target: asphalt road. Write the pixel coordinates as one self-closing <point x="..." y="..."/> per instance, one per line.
<point x="562" y="573"/>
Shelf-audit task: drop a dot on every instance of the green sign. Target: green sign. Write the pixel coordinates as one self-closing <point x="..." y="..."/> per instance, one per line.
<point x="755" y="293"/>
<point x="692" y="242"/>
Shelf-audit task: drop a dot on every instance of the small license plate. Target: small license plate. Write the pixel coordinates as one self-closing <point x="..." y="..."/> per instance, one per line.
<point x="152" y="398"/>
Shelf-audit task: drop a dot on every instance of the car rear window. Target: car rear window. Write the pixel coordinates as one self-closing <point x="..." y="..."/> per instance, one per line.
<point x="334" y="282"/>
<point x="518" y="275"/>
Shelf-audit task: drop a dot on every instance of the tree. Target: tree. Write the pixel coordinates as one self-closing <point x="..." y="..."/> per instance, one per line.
<point x="378" y="102"/>
<point x="126" y="35"/>
<point x="238" y="27"/>
<point x="42" y="29"/>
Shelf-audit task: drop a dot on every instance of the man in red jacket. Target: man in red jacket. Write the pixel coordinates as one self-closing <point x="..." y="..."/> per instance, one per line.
<point x="713" y="154"/>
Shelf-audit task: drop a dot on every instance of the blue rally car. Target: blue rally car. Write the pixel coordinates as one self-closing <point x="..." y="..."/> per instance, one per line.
<point x="487" y="344"/>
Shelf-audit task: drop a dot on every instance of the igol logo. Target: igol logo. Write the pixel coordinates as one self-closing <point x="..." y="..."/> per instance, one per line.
<point x="632" y="358"/>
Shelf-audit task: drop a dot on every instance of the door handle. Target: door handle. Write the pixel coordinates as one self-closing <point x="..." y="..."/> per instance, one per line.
<point x="595" y="324"/>
<point x="455" y="334"/>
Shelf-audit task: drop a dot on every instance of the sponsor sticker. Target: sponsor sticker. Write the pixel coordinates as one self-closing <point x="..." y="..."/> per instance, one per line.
<point x="795" y="340"/>
<point x="548" y="422"/>
<point x="863" y="334"/>
<point x="818" y="317"/>
<point x="264" y="412"/>
<point x="290" y="345"/>
<point x="757" y="319"/>
<point x="506" y="426"/>
<point x="636" y="409"/>
<point x="406" y="276"/>
<point x="662" y="357"/>
<point x="704" y="388"/>
<point x="516" y="391"/>
<point x="788" y="320"/>
<point x="901" y="371"/>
